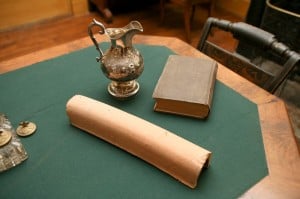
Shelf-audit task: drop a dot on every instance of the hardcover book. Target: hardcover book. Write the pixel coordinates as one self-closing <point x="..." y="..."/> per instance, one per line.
<point x="186" y="86"/>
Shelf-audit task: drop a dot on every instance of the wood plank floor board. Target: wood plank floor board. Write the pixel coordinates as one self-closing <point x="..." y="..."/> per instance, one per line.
<point x="38" y="36"/>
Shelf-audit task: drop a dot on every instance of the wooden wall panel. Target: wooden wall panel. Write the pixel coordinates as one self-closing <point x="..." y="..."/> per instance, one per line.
<point x="18" y="12"/>
<point x="238" y="8"/>
<point x="80" y="7"/>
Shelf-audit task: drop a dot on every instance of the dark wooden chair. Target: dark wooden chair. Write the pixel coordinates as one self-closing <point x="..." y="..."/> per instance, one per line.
<point x="188" y="13"/>
<point x="268" y="62"/>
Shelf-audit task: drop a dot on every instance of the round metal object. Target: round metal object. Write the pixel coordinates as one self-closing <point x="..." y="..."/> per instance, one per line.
<point x="5" y="137"/>
<point x="26" y="128"/>
<point x="122" y="63"/>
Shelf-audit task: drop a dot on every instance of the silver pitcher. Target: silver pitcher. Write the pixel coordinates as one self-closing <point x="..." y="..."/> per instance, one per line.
<point x="121" y="63"/>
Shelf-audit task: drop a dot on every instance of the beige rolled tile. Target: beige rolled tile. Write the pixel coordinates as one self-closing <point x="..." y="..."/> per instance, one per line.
<point x="172" y="154"/>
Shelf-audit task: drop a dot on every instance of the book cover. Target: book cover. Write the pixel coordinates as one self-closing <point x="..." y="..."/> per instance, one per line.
<point x="186" y="86"/>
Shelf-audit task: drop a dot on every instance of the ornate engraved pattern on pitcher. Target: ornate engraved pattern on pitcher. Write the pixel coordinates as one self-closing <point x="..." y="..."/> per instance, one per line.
<point x="121" y="63"/>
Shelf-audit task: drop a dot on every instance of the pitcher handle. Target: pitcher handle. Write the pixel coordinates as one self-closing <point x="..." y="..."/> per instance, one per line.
<point x="102" y="31"/>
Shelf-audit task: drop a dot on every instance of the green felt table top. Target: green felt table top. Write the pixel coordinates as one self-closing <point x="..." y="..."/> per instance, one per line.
<point x="65" y="162"/>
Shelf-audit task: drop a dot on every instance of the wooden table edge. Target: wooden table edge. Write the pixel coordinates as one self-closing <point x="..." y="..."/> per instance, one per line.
<point x="277" y="133"/>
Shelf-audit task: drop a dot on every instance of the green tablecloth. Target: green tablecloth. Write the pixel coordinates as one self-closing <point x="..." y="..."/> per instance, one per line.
<point x="65" y="162"/>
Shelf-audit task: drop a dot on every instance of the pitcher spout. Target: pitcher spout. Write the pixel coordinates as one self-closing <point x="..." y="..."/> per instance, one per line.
<point x="125" y="33"/>
<point x="134" y="26"/>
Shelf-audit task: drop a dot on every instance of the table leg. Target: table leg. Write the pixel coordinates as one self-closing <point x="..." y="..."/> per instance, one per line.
<point x="103" y="9"/>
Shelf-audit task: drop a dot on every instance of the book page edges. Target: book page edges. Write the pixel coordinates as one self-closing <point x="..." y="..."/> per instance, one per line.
<point x="196" y="110"/>
<point x="179" y="101"/>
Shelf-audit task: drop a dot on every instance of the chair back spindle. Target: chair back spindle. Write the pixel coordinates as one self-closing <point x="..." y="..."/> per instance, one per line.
<point x="266" y="46"/>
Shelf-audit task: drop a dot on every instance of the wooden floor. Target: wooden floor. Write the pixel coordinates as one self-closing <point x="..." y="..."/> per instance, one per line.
<point x="30" y="38"/>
